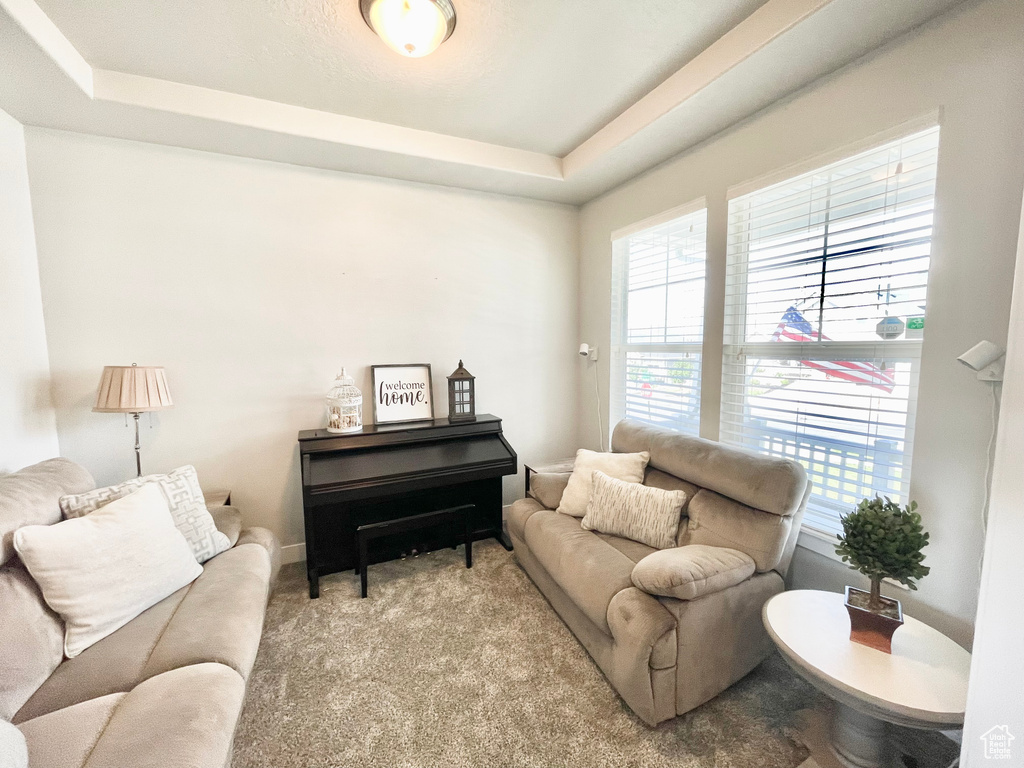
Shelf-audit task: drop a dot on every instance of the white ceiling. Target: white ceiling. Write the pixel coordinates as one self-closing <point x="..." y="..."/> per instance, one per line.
<point x="554" y="100"/>
<point x="541" y="75"/>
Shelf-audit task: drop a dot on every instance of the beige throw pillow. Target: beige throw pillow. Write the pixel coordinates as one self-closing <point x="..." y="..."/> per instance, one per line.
<point x="648" y="515"/>
<point x="100" y="571"/>
<point x="692" y="571"/>
<point x="184" y="498"/>
<point x="628" y="467"/>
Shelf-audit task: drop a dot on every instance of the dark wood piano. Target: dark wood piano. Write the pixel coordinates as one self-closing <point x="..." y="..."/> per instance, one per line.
<point x="391" y="471"/>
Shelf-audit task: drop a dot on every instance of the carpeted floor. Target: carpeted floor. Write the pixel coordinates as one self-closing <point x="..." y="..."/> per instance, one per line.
<point x="443" y="666"/>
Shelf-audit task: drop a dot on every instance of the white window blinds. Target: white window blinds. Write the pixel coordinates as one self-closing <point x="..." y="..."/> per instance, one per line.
<point x="825" y="304"/>
<point x="658" y="323"/>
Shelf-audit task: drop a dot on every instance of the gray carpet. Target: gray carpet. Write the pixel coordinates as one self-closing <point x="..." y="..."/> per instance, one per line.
<point x="443" y="666"/>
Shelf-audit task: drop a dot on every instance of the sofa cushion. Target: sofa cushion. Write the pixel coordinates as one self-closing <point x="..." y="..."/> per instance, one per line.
<point x="64" y="739"/>
<point x="265" y="539"/>
<point x="634" y="511"/>
<point x="219" y="617"/>
<point x="184" y="500"/>
<point x="628" y="467"/>
<point x="548" y="487"/>
<point x="690" y="572"/>
<point x="655" y="478"/>
<point x="517" y="515"/>
<point x="31" y="639"/>
<point x="101" y="571"/>
<point x="113" y="665"/>
<point x="722" y="522"/>
<point x="30" y="496"/>
<point x="634" y="550"/>
<point x="589" y="570"/>
<point x="768" y="483"/>
<point x="228" y="521"/>
<point x="185" y="717"/>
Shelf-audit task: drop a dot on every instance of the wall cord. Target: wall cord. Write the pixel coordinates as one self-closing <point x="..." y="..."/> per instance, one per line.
<point x="988" y="473"/>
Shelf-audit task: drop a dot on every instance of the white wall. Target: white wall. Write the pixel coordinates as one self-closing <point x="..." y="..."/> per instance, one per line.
<point x="970" y="64"/>
<point x="28" y="430"/>
<point x="997" y="669"/>
<point x="254" y="282"/>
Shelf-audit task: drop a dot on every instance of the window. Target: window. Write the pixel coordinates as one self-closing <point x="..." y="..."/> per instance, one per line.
<point x="825" y="306"/>
<point x="658" y="321"/>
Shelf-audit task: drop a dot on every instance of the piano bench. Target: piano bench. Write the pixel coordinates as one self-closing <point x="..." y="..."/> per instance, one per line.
<point x="367" y="533"/>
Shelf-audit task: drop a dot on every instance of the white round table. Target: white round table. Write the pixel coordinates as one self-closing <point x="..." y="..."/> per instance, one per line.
<point x="921" y="684"/>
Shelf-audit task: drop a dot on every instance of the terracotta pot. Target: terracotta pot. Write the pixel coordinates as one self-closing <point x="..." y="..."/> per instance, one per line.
<point x="874" y="630"/>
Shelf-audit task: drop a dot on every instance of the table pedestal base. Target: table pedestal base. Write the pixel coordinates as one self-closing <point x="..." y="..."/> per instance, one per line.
<point x="848" y="739"/>
<point x="857" y="739"/>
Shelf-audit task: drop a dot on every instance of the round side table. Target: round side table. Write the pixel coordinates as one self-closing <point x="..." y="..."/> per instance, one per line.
<point x="921" y="684"/>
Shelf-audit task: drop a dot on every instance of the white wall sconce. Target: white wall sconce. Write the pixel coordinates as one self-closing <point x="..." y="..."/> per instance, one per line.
<point x="588" y="352"/>
<point x="986" y="358"/>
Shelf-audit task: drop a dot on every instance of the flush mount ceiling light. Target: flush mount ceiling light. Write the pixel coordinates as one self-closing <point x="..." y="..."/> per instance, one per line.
<point x="413" y="28"/>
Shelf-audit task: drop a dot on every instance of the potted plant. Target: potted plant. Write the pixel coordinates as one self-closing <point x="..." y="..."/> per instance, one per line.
<point x="881" y="540"/>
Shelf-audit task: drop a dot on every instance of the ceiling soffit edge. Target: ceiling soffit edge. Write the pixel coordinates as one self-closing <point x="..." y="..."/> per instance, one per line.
<point x="745" y="39"/>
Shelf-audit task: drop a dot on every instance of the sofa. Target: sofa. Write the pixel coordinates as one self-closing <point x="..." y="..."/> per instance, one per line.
<point x="164" y="690"/>
<point x="663" y="655"/>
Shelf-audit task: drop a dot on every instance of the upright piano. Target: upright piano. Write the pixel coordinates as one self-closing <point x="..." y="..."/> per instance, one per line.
<point x="391" y="471"/>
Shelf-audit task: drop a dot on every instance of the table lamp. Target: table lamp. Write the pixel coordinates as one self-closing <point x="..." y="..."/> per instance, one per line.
<point x="133" y="389"/>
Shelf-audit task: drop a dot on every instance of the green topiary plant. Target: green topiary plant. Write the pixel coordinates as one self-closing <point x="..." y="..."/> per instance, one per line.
<point x="882" y="540"/>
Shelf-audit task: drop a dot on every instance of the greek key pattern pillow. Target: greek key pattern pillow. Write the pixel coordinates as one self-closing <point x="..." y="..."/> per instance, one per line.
<point x="634" y="511"/>
<point x="184" y="498"/>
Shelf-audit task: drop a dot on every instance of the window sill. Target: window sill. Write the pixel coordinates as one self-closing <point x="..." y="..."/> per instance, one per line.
<point x="820" y="543"/>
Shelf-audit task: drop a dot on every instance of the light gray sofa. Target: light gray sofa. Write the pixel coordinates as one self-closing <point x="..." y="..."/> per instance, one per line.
<point x="166" y="689"/>
<point x="663" y="655"/>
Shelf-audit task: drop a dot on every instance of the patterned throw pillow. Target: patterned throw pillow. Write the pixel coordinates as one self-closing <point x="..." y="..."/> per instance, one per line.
<point x="184" y="498"/>
<point x="634" y="511"/>
<point x="622" y="466"/>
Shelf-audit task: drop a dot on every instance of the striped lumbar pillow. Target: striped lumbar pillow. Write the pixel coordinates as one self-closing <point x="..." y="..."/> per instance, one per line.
<point x="648" y="515"/>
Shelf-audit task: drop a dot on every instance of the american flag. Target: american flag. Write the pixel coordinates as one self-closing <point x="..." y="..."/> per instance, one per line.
<point x="795" y="327"/>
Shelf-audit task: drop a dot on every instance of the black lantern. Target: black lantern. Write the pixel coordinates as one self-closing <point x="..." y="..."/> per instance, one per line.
<point x="461" y="395"/>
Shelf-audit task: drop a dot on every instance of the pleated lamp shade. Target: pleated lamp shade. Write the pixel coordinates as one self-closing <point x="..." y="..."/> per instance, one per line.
<point x="133" y="389"/>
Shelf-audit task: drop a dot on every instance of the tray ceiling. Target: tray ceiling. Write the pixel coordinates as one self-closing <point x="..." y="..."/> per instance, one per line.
<point x="559" y="101"/>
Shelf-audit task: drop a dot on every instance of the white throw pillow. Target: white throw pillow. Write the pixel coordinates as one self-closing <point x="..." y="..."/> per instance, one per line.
<point x="628" y="467"/>
<point x="648" y="515"/>
<point x="101" y="571"/>
<point x="13" y="749"/>
<point x="184" y="498"/>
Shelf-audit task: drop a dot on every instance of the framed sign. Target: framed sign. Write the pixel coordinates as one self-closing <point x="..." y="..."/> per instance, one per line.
<point x="402" y="393"/>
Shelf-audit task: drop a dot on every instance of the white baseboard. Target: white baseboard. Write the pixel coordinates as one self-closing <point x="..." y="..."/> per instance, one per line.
<point x="293" y="553"/>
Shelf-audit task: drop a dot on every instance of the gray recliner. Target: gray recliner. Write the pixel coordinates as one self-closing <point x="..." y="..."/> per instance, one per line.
<point x="665" y="655"/>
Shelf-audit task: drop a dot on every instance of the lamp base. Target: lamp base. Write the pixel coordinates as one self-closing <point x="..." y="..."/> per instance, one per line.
<point x="138" y="446"/>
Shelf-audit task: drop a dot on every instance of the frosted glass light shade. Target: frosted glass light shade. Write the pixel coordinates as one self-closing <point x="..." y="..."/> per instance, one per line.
<point x="412" y="28"/>
<point x="132" y="389"/>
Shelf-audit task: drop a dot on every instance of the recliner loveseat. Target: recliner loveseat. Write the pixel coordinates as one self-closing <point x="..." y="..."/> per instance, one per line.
<point x="663" y="655"/>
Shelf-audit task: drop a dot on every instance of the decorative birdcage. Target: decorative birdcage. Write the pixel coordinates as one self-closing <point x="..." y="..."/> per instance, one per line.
<point x="344" y="405"/>
<point x="461" y="395"/>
